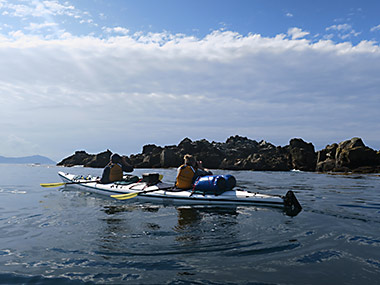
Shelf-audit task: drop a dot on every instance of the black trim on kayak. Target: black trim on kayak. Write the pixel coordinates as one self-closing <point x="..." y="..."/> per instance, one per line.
<point x="234" y="201"/>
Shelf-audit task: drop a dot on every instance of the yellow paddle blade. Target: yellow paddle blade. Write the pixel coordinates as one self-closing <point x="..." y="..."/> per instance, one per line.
<point x="57" y="184"/>
<point x="160" y="177"/>
<point x="125" y="196"/>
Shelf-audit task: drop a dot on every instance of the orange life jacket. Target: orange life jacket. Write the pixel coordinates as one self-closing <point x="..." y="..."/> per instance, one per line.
<point x="116" y="172"/>
<point x="185" y="177"/>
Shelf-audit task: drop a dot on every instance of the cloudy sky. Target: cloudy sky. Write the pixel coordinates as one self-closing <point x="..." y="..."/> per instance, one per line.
<point x="97" y="74"/>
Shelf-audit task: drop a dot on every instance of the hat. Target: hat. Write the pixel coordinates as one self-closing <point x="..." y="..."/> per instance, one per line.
<point x="115" y="158"/>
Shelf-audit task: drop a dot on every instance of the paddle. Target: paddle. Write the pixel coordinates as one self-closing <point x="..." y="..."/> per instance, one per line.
<point x="133" y="195"/>
<point x="57" y="184"/>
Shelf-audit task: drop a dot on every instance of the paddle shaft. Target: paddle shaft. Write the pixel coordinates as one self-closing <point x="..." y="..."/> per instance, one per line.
<point x="57" y="184"/>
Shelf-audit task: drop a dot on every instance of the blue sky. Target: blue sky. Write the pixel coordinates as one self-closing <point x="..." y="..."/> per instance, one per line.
<point x="95" y="74"/>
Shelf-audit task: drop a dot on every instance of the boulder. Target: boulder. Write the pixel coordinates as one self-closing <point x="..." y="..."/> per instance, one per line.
<point x="186" y="146"/>
<point x="99" y="160"/>
<point x="354" y="154"/>
<point x="276" y="161"/>
<point x="326" y="165"/>
<point x="303" y="156"/>
<point x="348" y="156"/>
<point x="169" y="158"/>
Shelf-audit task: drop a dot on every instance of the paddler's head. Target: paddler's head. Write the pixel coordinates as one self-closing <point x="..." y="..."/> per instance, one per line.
<point x="190" y="160"/>
<point x="115" y="158"/>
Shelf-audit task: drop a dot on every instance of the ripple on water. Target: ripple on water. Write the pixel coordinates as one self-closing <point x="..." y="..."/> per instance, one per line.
<point x="62" y="237"/>
<point x="5" y="252"/>
<point x="362" y="240"/>
<point x="320" y="256"/>
<point x="12" y="278"/>
<point x="265" y="250"/>
<point x="373" y="263"/>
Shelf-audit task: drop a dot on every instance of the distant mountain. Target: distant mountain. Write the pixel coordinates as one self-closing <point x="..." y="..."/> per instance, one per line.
<point x="38" y="159"/>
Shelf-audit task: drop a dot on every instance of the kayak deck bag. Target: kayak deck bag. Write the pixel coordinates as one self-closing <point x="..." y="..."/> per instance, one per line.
<point x="214" y="184"/>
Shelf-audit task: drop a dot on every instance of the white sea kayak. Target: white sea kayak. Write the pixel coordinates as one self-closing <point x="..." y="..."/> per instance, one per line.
<point x="165" y="193"/>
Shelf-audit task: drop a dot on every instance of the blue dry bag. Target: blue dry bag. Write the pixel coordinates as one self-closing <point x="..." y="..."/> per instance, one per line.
<point x="210" y="184"/>
<point x="230" y="181"/>
<point x="214" y="184"/>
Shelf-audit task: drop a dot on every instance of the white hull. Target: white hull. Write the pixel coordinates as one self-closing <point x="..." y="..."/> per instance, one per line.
<point x="175" y="196"/>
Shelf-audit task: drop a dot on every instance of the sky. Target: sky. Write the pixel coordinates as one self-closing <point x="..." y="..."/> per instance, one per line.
<point x="95" y="75"/>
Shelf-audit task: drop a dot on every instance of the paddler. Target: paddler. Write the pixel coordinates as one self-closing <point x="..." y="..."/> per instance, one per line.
<point x="188" y="172"/>
<point x="114" y="169"/>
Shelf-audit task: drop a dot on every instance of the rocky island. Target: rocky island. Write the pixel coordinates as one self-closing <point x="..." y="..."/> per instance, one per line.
<point x="242" y="153"/>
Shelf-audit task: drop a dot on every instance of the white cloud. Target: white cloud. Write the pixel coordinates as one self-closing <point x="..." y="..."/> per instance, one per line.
<point x="39" y="26"/>
<point x="344" y="31"/>
<point x="130" y="90"/>
<point x="297" y="33"/>
<point x="116" y="30"/>
<point x="290" y="15"/>
<point x="375" y="28"/>
<point x="42" y="9"/>
<point x="341" y="27"/>
<point x="57" y="8"/>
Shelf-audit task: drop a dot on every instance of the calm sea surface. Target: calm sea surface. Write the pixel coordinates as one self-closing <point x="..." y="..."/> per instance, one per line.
<point x="62" y="236"/>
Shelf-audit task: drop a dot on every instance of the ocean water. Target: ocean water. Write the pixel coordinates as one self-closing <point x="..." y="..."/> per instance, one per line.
<point x="62" y="236"/>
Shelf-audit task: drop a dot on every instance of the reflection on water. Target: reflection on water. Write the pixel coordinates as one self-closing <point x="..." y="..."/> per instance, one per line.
<point x="187" y="217"/>
<point x="70" y="237"/>
<point x="189" y="226"/>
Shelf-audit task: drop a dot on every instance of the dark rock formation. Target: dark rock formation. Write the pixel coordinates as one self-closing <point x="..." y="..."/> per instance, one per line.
<point x="326" y="158"/>
<point x="348" y="156"/>
<point x="258" y="156"/>
<point x="303" y="156"/>
<point x="241" y="153"/>
<point x="88" y="160"/>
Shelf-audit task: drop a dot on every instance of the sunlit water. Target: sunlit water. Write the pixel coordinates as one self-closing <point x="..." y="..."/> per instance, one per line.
<point x="62" y="236"/>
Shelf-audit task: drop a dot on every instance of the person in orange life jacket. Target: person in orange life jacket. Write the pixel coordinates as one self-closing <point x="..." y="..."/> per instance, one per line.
<point x="188" y="172"/>
<point x="114" y="169"/>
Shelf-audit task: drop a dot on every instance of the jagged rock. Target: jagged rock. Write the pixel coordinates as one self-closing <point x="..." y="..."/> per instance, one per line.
<point x="136" y="160"/>
<point x="99" y="160"/>
<point x="303" y="155"/>
<point x="240" y="147"/>
<point x="327" y="153"/>
<point x="151" y="148"/>
<point x="266" y="146"/>
<point x="87" y="160"/>
<point x="262" y="156"/>
<point x="348" y="156"/>
<point x="241" y="153"/>
<point x="325" y="165"/>
<point x="168" y="158"/>
<point x="185" y="146"/>
<point x="276" y="161"/>
<point x="354" y="154"/>
<point x="326" y="158"/>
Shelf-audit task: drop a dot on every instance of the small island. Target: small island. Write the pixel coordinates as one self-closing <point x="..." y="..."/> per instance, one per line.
<point x="242" y="153"/>
<point x="34" y="159"/>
